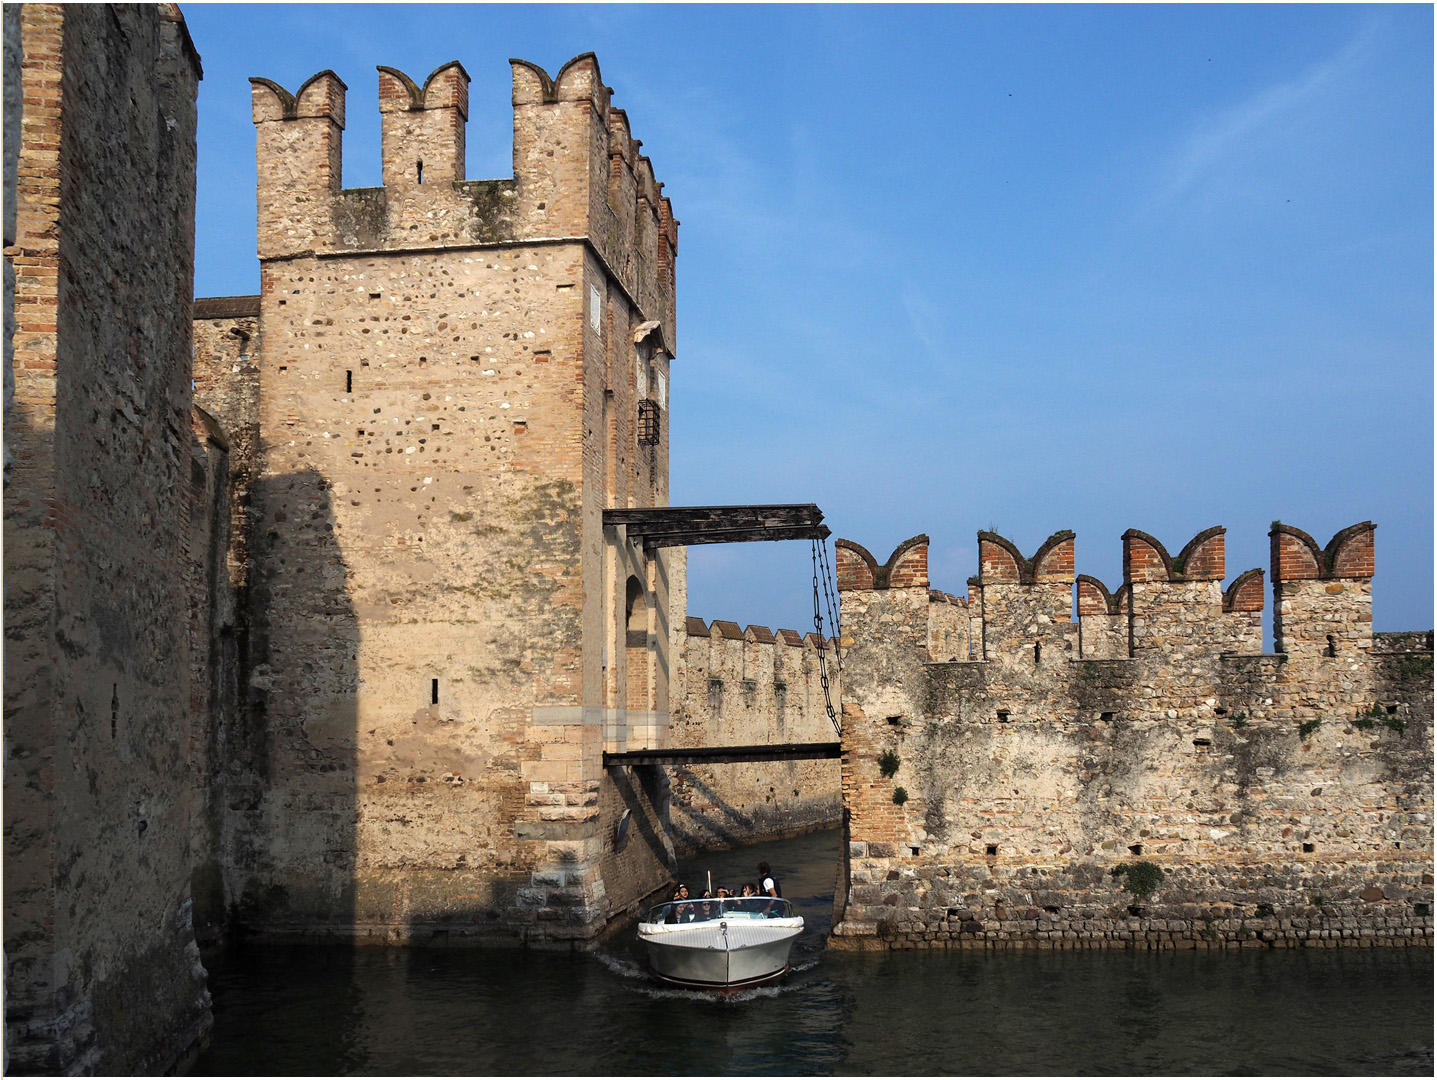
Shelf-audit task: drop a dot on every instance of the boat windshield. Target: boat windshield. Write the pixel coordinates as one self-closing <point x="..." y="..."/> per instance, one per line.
<point x="735" y="907"/>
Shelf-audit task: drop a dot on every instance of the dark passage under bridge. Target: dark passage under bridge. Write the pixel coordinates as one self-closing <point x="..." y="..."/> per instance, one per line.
<point x="674" y="526"/>
<point x="712" y="755"/>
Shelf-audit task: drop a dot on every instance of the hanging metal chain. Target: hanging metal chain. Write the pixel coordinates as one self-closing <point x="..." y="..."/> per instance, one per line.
<point x="820" y="560"/>
<point x="830" y="600"/>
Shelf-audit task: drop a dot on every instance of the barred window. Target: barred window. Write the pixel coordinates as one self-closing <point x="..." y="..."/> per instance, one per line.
<point x="648" y="422"/>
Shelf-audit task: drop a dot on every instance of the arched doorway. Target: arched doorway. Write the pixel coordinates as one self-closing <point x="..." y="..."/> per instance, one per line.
<point x="636" y="645"/>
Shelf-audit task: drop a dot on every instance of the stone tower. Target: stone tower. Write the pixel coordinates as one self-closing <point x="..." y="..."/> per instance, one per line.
<point x="453" y="379"/>
<point x="108" y="479"/>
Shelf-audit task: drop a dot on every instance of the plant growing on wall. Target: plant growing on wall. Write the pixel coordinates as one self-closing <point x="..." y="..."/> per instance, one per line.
<point x="1141" y="878"/>
<point x="888" y="764"/>
<point x="900" y="796"/>
<point x="1307" y="727"/>
<point x="1414" y="667"/>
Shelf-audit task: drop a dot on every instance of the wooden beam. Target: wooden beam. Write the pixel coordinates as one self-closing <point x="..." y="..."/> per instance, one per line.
<point x="711" y="755"/>
<point x="671" y="526"/>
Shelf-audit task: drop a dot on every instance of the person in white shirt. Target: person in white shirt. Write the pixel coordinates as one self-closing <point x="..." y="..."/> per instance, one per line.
<point x="768" y="885"/>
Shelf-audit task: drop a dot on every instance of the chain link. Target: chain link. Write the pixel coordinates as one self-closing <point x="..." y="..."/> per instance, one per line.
<point x="821" y="573"/>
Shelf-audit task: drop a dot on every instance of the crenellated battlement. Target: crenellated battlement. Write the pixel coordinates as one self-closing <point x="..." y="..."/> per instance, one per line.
<point x="578" y="174"/>
<point x="907" y="568"/>
<point x="422" y="128"/>
<point x="1002" y="563"/>
<point x="723" y="630"/>
<point x="1006" y="792"/>
<point x="1177" y="603"/>
<point x="1022" y="606"/>
<point x="1202" y="558"/>
<point x="1322" y="597"/>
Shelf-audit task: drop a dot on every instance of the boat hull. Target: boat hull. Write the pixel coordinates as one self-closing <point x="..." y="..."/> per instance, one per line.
<point x="720" y="954"/>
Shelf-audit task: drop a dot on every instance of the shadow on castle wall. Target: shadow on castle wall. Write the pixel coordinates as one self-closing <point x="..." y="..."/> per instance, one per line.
<point x="290" y="775"/>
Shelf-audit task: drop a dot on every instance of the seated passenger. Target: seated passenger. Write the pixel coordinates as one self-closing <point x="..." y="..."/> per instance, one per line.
<point x="681" y="912"/>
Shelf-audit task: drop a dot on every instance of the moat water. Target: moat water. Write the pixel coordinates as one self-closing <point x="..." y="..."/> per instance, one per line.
<point x="333" y="1010"/>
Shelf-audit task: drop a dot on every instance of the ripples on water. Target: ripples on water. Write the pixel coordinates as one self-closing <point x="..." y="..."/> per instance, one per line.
<point x="334" y="1010"/>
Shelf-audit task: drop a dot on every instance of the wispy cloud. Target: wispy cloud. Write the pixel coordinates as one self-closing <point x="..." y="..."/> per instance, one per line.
<point x="926" y="320"/>
<point x="1217" y="140"/>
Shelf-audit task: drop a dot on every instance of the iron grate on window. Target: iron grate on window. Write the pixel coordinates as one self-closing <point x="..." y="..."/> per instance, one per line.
<point x="648" y="422"/>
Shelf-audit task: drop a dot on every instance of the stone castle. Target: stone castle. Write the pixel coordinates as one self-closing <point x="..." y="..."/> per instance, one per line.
<point x="1007" y="767"/>
<point x="316" y="629"/>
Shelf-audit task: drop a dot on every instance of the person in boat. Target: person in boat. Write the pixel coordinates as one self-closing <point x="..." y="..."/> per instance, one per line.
<point x="748" y="898"/>
<point x="768" y="886"/>
<point x="680" y="911"/>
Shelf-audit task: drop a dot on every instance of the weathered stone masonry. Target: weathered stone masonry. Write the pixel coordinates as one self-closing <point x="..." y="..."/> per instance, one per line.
<point x="439" y="389"/>
<point x="745" y="687"/>
<point x="338" y="653"/>
<point x="110" y="481"/>
<point x="1286" y="797"/>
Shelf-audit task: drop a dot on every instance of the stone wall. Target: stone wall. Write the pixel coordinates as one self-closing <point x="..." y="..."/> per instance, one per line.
<point x="439" y="399"/>
<point x="1273" y="799"/>
<point x="107" y="481"/>
<point x="227" y="399"/>
<point x="747" y="687"/>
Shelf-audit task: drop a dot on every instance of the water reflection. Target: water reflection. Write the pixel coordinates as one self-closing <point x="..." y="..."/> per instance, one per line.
<point x="311" y="1010"/>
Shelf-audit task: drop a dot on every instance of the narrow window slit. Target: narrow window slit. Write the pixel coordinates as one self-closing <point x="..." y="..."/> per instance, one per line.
<point x="434" y="691"/>
<point x="419" y="168"/>
<point x="349" y="382"/>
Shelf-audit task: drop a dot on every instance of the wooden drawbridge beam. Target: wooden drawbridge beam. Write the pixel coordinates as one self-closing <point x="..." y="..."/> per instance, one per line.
<point x="674" y="526"/>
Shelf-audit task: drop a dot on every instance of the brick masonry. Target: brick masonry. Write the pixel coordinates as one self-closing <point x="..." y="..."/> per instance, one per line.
<point x="110" y="477"/>
<point x="432" y="400"/>
<point x="1285" y="797"/>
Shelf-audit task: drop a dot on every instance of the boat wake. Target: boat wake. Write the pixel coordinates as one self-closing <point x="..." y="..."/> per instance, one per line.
<point x="659" y="992"/>
<point x="642" y="982"/>
<point x="624" y="968"/>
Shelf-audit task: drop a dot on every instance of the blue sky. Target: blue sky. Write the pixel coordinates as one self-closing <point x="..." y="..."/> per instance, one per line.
<point x="944" y="269"/>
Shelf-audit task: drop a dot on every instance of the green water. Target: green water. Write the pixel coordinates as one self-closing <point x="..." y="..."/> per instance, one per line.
<point x="335" y="1010"/>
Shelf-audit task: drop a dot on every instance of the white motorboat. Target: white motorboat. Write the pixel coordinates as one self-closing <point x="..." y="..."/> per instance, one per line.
<point x="729" y="942"/>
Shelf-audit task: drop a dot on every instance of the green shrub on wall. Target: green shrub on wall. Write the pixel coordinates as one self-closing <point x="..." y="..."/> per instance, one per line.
<point x="1141" y="878"/>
